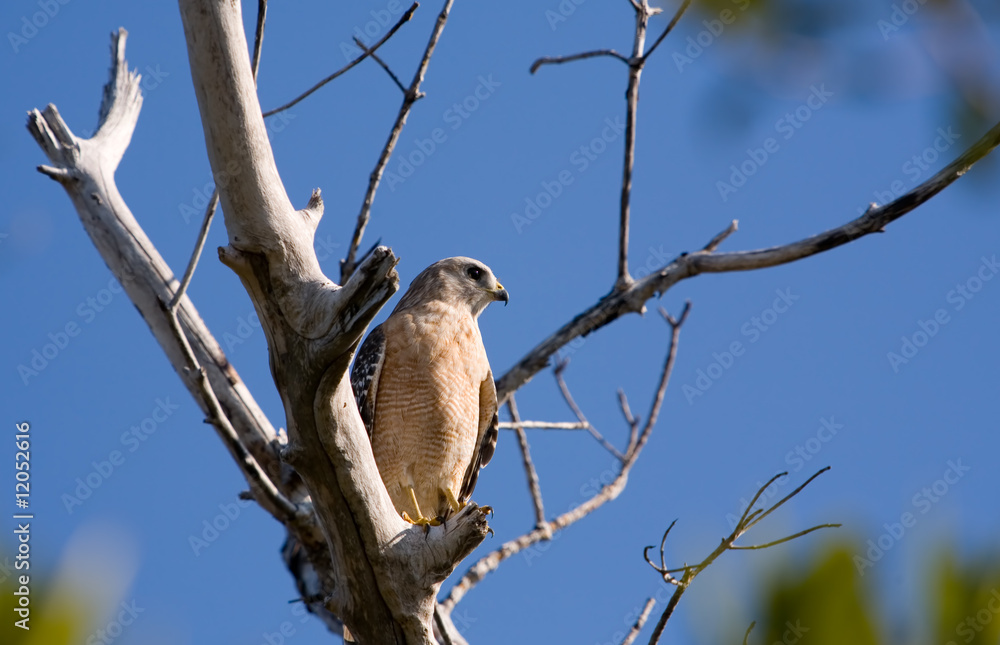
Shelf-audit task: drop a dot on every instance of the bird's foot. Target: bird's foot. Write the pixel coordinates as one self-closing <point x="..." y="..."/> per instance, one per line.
<point x="453" y="501"/>
<point x="421" y="521"/>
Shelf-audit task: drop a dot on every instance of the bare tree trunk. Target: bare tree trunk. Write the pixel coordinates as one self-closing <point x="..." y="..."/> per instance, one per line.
<point x="385" y="572"/>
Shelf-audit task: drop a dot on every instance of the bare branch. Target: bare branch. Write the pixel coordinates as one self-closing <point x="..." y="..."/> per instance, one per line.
<point x="635" y="64"/>
<point x="556" y="60"/>
<point x="364" y="54"/>
<point x="623" y="279"/>
<point x="610" y="491"/>
<point x="544" y="425"/>
<point x="633" y="300"/>
<point x="199" y="245"/>
<point x="529" y="466"/>
<point x="784" y="499"/>
<point x="258" y="37"/>
<point x="264" y="490"/>
<point x="639" y="622"/>
<point x="767" y="545"/>
<point x="720" y="238"/>
<point x="746" y="636"/>
<point x="579" y="413"/>
<point x="671" y="605"/>
<point x="382" y="63"/>
<point x="670" y="27"/>
<point x="410" y="96"/>
<point x="727" y="544"/>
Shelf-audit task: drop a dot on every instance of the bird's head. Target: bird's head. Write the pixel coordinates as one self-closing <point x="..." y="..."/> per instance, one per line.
<point x="458" y="280"/>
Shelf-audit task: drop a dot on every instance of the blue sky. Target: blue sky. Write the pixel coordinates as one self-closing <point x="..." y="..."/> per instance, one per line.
<point x="845" y="114"/>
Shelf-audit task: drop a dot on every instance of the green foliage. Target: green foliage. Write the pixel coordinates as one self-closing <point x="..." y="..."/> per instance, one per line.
<point x="829" y="603"/>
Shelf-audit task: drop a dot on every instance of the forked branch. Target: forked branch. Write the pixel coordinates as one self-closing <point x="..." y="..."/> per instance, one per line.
<point x="365" y="53"/>
<point x="636" y="62"/>
<point x="410" y="96"/>
<point x="633" y="299"/>
<point x="747" y="521"/>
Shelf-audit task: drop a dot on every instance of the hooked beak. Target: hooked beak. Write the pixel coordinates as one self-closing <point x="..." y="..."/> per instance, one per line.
<point x="501" y="294"/>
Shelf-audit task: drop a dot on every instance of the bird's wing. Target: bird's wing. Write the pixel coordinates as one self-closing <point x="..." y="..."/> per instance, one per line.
<point x="486" y="440"/>
<point x="365" y="375"/>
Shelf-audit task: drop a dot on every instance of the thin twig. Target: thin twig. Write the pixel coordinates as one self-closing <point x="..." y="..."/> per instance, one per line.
<point x="529" y="466"/>
<point x="747" y="521"/>
<point x="610" y="491"/>
<point x="746" y="636"/>
<point x="258" y="37"/>
<point x="544" y="425"/>
<point x="675" y="598"/>
<point x="399" y="23"/>
<point x="720" y="238"/>
<point x="410" y="96"/>
<point x="623" y="279"/>
<point x="445" y="636"/>
<point x="630" y="419"/>
<point x="556" y="60"/>
<point x="787" y="497"/>
<point x="670" y="27"/>
<point x="766" y="545"/>
<point x="639" y="622"/>
<point x="382" y="63"/>
<point x="579" y="413"/>
<point x="199" y="245"/>
<point x="244" y="459"/>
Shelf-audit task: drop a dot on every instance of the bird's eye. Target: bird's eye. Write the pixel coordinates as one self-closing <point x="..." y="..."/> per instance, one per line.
<point x="475" y="273"/>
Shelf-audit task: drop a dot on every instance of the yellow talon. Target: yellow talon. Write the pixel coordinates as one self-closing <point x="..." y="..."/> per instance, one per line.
<point x="452" y="501"/>
<point x="420" y="519"/>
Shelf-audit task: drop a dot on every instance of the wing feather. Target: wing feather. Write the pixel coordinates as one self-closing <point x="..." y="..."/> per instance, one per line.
<point x="365" y="376"/>
<point x="486" y="440"/>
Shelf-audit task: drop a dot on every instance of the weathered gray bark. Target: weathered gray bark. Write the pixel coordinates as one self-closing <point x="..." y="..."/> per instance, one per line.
<point x="385" y="572"/>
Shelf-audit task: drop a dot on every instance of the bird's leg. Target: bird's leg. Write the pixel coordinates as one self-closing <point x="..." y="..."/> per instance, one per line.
<point x="453" y="501"/>
<point x="420" y="519"/>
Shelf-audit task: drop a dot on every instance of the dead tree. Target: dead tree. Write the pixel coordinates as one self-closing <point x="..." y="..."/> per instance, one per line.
<point x="355" y="561"/>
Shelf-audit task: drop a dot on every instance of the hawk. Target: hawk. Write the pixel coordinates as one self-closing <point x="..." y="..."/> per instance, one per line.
<point x="426" y="393"/>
